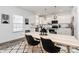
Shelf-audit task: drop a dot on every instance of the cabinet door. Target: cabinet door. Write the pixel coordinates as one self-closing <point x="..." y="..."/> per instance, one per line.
<point x="64" y="31"/>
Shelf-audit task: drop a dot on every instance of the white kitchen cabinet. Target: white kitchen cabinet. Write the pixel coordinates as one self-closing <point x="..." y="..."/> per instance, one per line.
<point x="64" y="31"/>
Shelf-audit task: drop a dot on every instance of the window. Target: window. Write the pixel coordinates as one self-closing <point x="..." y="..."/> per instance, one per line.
<point x="17" y="23"/>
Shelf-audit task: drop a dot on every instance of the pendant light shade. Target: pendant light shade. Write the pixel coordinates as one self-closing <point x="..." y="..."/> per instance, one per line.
<point x="55" y="16"/>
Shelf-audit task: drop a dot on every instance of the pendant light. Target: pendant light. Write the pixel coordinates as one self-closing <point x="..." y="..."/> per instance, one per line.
<point x="44" y="15"/>
<point x="55" y="17"/>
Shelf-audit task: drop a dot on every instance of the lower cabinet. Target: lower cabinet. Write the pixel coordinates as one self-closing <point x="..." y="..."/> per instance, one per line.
<point x="64" y="31"/>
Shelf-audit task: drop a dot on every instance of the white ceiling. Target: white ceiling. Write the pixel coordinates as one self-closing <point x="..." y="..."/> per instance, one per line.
<point x="40" y="10"/>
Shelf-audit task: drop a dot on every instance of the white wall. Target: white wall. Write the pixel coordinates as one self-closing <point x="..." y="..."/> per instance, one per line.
<point x="6" y="30"/>
<point x="77" y="23"/>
